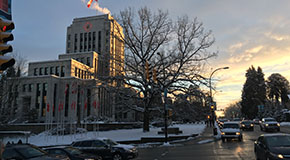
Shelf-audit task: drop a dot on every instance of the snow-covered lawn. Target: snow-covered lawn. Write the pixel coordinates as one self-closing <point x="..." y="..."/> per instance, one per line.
<point x="117" y="135"/>
<point x="285" y="123"/>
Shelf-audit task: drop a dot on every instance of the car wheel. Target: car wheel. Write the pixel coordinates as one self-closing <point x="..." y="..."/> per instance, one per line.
<point x="117" y="157"/>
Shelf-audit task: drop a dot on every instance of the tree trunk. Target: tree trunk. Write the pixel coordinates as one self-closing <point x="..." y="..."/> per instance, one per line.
<point x="146" y="120"/>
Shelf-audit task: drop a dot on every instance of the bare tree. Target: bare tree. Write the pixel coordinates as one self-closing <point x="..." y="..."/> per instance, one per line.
<point x="11" y="75"/>
<point x="175" y="52"/>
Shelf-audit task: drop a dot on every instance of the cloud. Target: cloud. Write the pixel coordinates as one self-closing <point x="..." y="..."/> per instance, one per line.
<point x="277" y="37"/>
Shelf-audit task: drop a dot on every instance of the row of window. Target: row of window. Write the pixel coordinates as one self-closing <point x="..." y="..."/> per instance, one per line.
<point x="82" y="74"/>
<point x="27" y="87"/>
<point x="58" y="70"/>
<point x="87" y="42"/>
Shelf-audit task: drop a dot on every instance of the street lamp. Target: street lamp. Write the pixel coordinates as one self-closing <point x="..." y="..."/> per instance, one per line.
<point x="210" y="90"/>
<point x="164" y="102"/>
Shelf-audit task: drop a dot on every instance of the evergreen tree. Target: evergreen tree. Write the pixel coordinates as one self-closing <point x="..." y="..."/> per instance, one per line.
<point x="254" y="92"/>
<point x="278" y="87"/>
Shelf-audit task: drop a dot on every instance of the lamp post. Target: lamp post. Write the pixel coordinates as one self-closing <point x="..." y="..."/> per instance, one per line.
<point x="164" y="102"/>
<point x="210" y="90"/>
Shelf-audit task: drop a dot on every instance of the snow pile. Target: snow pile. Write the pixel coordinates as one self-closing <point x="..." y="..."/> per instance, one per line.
<point x="116" y="135"/>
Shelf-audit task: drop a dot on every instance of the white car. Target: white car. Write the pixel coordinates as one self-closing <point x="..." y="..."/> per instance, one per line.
<point x="231" y="130"/>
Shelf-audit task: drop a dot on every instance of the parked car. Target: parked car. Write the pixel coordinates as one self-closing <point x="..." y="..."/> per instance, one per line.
<point x="231" y="130"/>
<point x="72" y="153"/>
<point x="247" y="125"/>
<point x="28" y="152"/>
<point x="272" y="146"/>
<point x="256" y="121"/>
<point x="268" y="124"/>
<point x="106" y="148"/>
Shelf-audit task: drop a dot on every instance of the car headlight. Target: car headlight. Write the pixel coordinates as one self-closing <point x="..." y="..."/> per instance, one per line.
<point x="267" y="125"/>
<point x="278" y="124"/>
<point x="243" y="125"/>
<point x="252" y="125"/>
<point x="277" y="155"/>
<point x="238" y="133"/>
<point x="280" y="156"/>
<point x="223" y="133"/>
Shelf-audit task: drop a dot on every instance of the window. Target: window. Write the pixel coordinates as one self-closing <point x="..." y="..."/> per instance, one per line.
<point x="57" y="70"/>
<point x="68" y="37"/>
<point x="76" y="37"/>
<point x="81" y="37"/>
<point x="99" y="41"/>
<point x="24" y="88"/>
<point x="85" y="37"/>
<point x="40" y="71"/>
<point x="51" y="70"/>
<point x="62" y="71"/>
<point x="46" y="71"/>
<point x="30" y="87"/>
<point x="98" y="144"/>
<point x="35" y="71"/>
<point x="86" y="144"/>
<point x="76" y="71"/>
<point x="94" y="36"/>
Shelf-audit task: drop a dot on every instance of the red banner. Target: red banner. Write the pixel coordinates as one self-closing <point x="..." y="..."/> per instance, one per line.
<point x="47" y="107"/>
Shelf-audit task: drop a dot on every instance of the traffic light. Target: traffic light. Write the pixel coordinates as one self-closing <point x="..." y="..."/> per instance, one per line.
<point x="6" y="61"/>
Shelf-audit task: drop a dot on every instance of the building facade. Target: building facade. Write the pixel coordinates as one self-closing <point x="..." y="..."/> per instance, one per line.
<point x="75" y="86"/>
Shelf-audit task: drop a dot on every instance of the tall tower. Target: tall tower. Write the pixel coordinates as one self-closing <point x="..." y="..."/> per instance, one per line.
<point x="103" y="35"/>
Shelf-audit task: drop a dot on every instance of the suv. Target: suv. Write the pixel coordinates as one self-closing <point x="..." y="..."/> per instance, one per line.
<point x="106" y="148"/>
<point x="28" y="152"/>
<point x="231" y="130"/>
<point x="269" y="124"/>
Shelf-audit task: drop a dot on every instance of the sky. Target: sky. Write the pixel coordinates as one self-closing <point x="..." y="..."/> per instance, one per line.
<point x="248" y="32"/>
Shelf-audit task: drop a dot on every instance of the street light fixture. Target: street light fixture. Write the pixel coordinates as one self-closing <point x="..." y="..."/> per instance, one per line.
<point x="210" y="88"/>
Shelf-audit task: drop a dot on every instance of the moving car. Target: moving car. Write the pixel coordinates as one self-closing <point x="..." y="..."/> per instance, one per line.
<point x="256" y="121"/>
<point x="106" y="148"/>
<point x="72" y="153"/>
<point x="231" y="130"/>
<point x="272" y="146"/>
<point x="268" y="124"/>
<point x="247" y="125"/>
<point x="28" y="152"/>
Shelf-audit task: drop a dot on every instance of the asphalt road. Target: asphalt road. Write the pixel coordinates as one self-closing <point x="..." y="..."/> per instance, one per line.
<point x="213" y="150"/>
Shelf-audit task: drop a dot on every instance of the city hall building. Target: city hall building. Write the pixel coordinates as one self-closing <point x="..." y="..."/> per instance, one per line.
<point x="75" y="86"/>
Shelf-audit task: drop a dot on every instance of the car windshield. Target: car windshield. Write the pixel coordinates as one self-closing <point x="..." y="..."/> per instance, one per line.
<point x="73" y="151"/>
<point x="269" y="119"/>
<point x="246" y="122"/>
<point x="110" y="142"/>
<point x="30" y="152"/>
<point x="278" y="141"/>
<point x="231" y="125"/>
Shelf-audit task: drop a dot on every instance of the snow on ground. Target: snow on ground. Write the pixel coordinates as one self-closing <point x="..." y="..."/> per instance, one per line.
<point x="285" y="123"/>
<point x="117" y="135"/>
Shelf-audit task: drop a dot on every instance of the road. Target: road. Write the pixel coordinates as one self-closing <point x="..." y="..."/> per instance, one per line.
<point x="213" y="150"/>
